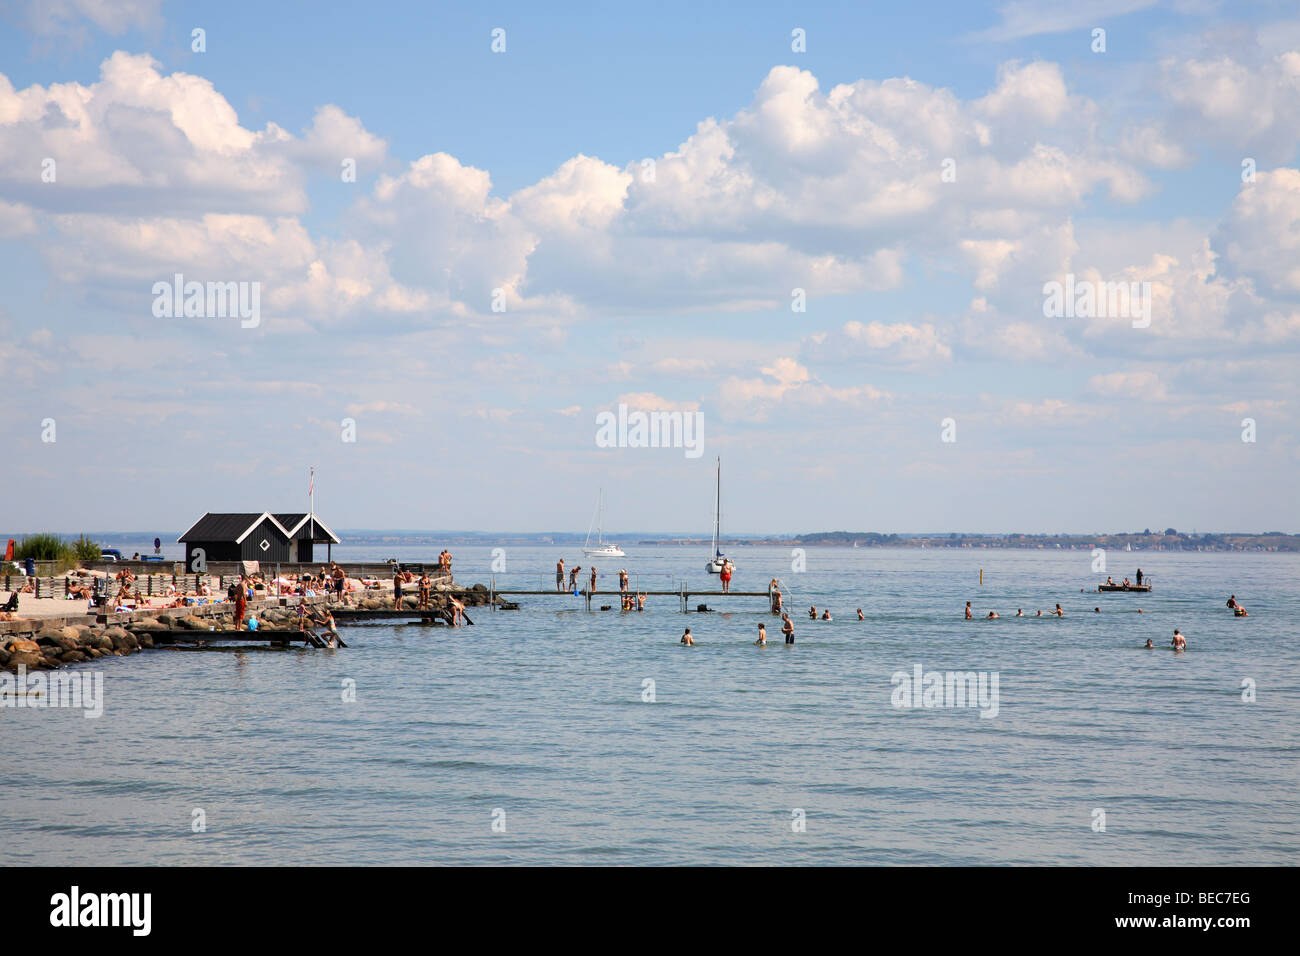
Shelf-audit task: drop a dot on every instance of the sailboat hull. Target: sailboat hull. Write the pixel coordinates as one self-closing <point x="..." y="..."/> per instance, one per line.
<point x="607" y="551"/>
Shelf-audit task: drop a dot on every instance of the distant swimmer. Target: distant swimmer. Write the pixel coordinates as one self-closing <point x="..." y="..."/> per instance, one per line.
<point x="559" y="575"/>
<point x="787" y="628"/>
<point x="640" y="601"/>
<point x="1149" y="646"/>
<point x="762" y="636"/>
<point x="1239" y="611"/>
<point x="1020" y="612"/>
<point x="1096" y="610"/>
<point x="1232" y="601"/>
<point x="1139" y="610"/>
<point x="812" y="612"/>
<point x="687" y="639"/>
<point x="1179" y="642"/>
<point x="969" y="615"/>
<point x="861" y="616"/>
<point x="1040" y="613"/>
<point x="1110" y="580"/>
<point x="993" y="614"/>
<point x="774" y="594"/>
<point x="1058" y="612"/>
<point x="826" y="615"/>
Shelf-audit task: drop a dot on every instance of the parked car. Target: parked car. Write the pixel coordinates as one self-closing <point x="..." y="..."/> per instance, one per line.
<point x="110" y="554"/>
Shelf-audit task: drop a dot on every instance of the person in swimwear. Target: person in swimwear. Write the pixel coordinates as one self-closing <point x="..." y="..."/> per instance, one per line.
<point x="687" y="639"/>
<point x="1232" y="601"/>
<point x="559" y="575"/>
<point x="861" y="616"/>
<point x="725" y="575"/>
<point x="993" y="614"/>
<point x="787" y="628"/>
<point x="1110" y="580"/>
<point x="640" y="601"/>
<point x="573" y="577"/>
<point x="1040" y="613"/>
<point x="622" y="579"/>
<point x="1239" y="611"/>
<point x="1096" y="610"/>
<point x="1020" y="612"/>
<point x="826" y="614"/>
<point x="812" y="612"/>
<point x="397" y="591"/>
<point x="1179" y="642"/>
<point x="1058" y="612"/>
<point x="969" y="615"/>
<point x="1149" y="646"/>
<point x="762" y="636"/>
<point x="593" y="579"/>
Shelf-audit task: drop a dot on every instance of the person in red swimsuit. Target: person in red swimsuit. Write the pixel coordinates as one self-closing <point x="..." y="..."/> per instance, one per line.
<point x="725" y="576"/>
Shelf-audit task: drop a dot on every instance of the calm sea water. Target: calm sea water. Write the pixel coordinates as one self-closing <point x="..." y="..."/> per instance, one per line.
<point x="539" y="713"/>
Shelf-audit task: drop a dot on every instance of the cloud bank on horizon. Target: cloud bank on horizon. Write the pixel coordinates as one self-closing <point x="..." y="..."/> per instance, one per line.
<point x="846" y="280"/>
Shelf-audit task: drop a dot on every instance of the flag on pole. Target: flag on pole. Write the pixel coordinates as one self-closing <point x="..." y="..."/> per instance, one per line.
<point x="311" y="486"/>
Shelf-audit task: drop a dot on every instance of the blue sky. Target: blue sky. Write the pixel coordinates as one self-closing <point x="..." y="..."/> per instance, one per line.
<point x="776" y="169"/>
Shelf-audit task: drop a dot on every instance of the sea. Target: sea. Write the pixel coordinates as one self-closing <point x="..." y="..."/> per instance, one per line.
<point x="554" y="734"/>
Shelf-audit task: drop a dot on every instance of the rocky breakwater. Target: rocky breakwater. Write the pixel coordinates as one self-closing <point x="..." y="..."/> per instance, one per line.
<point x="54" y="645"/>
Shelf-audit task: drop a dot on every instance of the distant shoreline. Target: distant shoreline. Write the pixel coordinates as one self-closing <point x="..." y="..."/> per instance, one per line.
<point x="1136" y="541"/>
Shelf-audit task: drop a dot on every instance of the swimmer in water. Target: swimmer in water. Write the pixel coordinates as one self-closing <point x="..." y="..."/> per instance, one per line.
<point x="1040" y="613"/>
<point x="1058" y="612"/>
<point x="1096" y="610"/>
<point x="1149" y="646"/>
<point x="826" y="615"/>
<point x="640" y="601"/>
<point x="993" y="614"/>
<point x="1239" y="611"/>
<point x="762" y="636"/>
<point x="687" y="639"/>
<point x="812" y="612"/>
<point x="787" y="628"/>
<point x="1020" y="612"/>
<point x="968" y="613"/>
<point x="861" y="616"/>
<point x="1179" y="642"/>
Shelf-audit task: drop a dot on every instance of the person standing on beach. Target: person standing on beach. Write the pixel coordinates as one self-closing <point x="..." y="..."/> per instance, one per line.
<point x="559" y="575"/>
<point x="787" y="628"/>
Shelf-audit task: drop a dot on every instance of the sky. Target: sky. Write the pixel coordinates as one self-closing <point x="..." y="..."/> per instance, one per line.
<point x="825" y="234"/>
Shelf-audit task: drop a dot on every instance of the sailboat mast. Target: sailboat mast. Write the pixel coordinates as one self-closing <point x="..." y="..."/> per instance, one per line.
<point x="717" y="508"/>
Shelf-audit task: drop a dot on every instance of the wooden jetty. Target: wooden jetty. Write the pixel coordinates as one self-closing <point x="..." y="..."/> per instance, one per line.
<point x="1143" y="588"/>
<point x="280" y="637"/>
<point x="419" y="615"/>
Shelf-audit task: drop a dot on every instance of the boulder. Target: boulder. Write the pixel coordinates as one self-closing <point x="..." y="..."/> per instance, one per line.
<point x="72" y="657"/>
<point x="103" y="641"/>
<point x="147" y="624"/>
<point x="4" y="658"/>
<point x="29" y="659"/>
<point x="72" y="633"/>
<point x="146" y="640"/>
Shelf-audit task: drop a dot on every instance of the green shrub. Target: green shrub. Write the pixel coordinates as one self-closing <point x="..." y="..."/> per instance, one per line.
<point x="44" y="547"/>
<point x="86" y="550"/>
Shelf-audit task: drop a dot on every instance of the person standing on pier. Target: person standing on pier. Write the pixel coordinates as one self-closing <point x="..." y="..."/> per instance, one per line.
<point x="573" y="577"/>
<point x="397" y="591"/>
<point x="241" y="602"/>
<point x="425" y="584"/>
<point x="559" y="575"/>
<point x="725" y="575"/>
<point x="593" y="580"/>
<point x="774" y="593"/>
<point x="1139" y="577"/>
<point x="622" y="579"/>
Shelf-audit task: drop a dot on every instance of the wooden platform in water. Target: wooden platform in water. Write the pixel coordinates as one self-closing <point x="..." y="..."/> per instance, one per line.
<point x="1142" y="588"/>
<point x="260" y="636"/>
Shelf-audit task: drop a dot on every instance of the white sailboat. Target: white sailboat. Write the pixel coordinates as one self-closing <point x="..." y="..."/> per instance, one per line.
<point x="717" y="559"/>
<point x="601" y="550"/>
